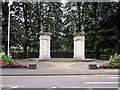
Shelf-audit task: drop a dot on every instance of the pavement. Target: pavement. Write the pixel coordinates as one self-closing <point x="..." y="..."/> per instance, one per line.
<point x="48" y="68"/>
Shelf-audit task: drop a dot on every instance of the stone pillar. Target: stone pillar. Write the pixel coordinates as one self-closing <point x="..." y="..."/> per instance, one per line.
<point x="44" y="52"/>
<point x="79" y="45"/>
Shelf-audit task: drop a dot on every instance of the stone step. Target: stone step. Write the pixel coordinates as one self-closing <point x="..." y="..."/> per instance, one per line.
<point x="67" y="60"/>
<point x="72" y="59"/>
<point x="59" y="60"/>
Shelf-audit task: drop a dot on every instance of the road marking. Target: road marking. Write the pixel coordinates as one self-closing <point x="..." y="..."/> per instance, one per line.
<point x="53" y="87"/>
<point x="102" y="82"/>
<point x="17" y="87"/>
<point x="12" y="86"/>
<point x="114" y="77"/>
<point x="111" y="70"/>
<point x="62" y="76"/>
<point x="89" y="89"/>
<point x="50" y="88"/>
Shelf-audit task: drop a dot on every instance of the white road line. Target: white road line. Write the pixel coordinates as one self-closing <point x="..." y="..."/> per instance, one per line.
<point x="12" y="86"/>
<point x="50" y="88"/>
<point x="114" y="77"/>
<point x="53" y="87"/>
<point x="102" y="82"/>
<point x="111" y="70"/>
<point x="17" y="87"/>
<point x="89" y="89"/>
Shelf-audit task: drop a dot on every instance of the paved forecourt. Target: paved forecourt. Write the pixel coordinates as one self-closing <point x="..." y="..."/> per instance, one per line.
<point x="59" y="68"/>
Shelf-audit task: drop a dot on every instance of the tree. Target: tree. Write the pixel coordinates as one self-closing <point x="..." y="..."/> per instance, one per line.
<point x="4" y="24"/>
<point x="25" y="23"/>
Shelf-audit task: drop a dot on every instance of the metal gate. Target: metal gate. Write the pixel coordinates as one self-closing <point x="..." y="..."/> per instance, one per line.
<point x="62" y="47"/>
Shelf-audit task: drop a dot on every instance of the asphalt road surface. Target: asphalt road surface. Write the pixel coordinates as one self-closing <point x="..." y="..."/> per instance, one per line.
<point x="53" y="82"/>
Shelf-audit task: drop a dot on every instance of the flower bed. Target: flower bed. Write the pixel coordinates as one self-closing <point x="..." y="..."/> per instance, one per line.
<point x="114" y="62"/>
<point x="8" y="62"/>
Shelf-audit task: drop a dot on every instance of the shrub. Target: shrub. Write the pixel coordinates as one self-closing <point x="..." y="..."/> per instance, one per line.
<point x="113" y="59"/>
<point x="7" y="59"/>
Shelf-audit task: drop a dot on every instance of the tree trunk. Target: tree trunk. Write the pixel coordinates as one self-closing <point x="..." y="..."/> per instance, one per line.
<point x="25" y="51"/>
<point x="5" y="26"/>
<point x="78" y="7"/>
<point x="39" y="20"/>
<point x="116" y="47"/>
<point x="38" y="13"/>
<point x="6" y="47"/>
<point x="95" y="18"/>
<point x="26" y="28"/>
<point x="97" y="52"/>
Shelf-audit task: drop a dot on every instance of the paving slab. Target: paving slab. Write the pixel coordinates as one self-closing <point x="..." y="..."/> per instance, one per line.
<point x="59" y="68"/>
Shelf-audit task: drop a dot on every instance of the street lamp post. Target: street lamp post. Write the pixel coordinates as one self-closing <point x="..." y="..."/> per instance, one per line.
<point x="8" y="53"/>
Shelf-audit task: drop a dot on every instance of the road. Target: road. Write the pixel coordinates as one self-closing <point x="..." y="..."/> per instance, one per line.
<point x="60" y="82"/>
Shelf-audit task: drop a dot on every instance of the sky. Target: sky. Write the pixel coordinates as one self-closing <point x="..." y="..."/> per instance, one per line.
<point x="62" y="0"/>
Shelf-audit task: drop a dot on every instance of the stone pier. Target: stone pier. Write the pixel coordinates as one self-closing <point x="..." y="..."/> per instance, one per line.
<point x="44" y="52"/>
<point x="79" y="45"/>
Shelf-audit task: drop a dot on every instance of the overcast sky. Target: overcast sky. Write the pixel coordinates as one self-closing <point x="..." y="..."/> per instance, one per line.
<point x="62" y="0"/>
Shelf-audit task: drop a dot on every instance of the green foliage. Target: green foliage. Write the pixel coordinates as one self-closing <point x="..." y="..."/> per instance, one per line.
<point x="113" y="59"/>
<point x="100" y="20"/>
<point x="8" y="59"/>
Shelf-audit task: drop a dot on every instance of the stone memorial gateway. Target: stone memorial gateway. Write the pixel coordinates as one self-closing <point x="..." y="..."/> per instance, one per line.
<point x="79" y="45"/>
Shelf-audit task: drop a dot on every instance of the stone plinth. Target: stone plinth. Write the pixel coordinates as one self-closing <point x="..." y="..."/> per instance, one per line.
<point x="44" y="52"/>
<point x="32" y="66"/>
<point x="79" y="45"/>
